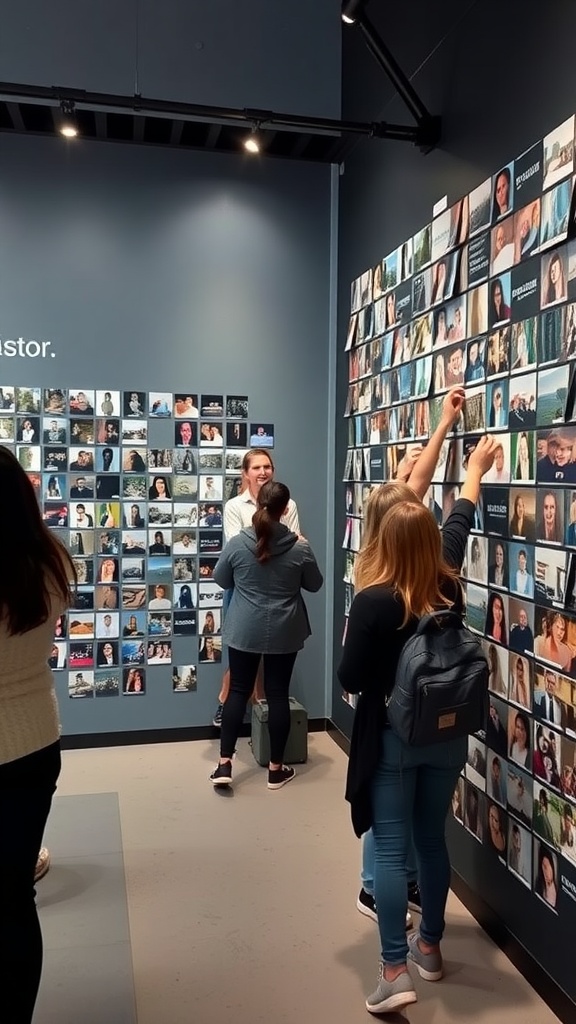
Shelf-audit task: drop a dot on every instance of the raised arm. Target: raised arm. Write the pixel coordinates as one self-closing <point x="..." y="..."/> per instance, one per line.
<point x="479" y="462"/>
<point x="457" y="527"/>
<point x="421" y="476"/>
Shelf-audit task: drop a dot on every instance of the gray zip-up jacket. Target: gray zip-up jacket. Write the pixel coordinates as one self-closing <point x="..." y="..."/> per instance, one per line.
<point x="267" y="614"/>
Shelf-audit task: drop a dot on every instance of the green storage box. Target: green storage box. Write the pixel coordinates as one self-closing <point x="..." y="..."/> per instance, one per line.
<point x="297" y="745"/>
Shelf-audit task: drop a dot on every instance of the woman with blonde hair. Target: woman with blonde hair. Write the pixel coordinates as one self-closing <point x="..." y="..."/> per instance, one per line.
<point x="36" y="575"/>
<point x="407" y="570"/>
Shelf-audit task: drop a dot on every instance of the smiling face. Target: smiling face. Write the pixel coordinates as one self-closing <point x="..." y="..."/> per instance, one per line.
<point x="548" y="509"/>
<point x="259" y="472"/>
<point x="499" y="555"/>
<point x="497" y="611"/>
<point x="563" y="451"/>
<point x="502" y="192"/>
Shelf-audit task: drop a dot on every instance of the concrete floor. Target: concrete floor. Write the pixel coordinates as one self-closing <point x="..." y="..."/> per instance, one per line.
<point x="237" y="909"/>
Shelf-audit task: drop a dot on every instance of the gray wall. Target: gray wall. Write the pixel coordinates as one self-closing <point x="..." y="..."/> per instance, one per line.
<point x="155" y="270"/>
<point x="253" y="53"/>
<point x="502" y="77"/>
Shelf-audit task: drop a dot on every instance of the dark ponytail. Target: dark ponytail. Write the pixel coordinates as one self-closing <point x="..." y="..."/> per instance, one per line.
<point x="272" y="501"/>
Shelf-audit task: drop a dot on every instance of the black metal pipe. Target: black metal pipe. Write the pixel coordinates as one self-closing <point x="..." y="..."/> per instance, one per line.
<point x="390" y="66"/>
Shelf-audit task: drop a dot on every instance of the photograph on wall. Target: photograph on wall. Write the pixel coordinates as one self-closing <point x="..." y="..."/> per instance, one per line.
<point x="503" y="192"/>
<point x="479" y="202"/>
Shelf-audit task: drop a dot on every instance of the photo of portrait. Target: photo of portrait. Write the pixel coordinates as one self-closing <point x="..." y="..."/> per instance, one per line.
<point x="261" y="435"/>
<point x="523" y="456"/>
<point x="474" y="811"/>
<point x="547" y="762"/>
<point x="498" y="359"/>
<point x="526" y="231"/>
<point x="186" y="406"/>
<point x="502" y="247"/>
<point x="496" y="830"/>
<point x="107" y="625"/>
<point x="554" y="283"/>
<point x="7" y="399"/>
<point x="54" y="487"/>
<point x="54" y="429"/>
<point x="133" y="404"/>
<point x="520" y="852"/>
<point x="28" y="429"/>
<point x="555" y="456"/>
<point x="7" y="429"/>
<point x="546" y="878"/>
<point x="55" y="401"/>
<point x="549" y="516"/>
<point x="496" y="777"/>
<point x="475" y="768"/>
<point x="108" y="404"/>
<point x="500" y="471"/>
<point x="497" y="405"/>
<point x="133" y="681"/>
<point x="519" y="736"/>
<point x="81" y="402"/>
<point x="499" y="300"/>
<point x="497" y="658"/>
<point x="498" y="563"/>
<point x="519" y="794"/>
<point x="524" y="344"/>
<point x="211" y="433"/>
<point x="497" y="617"/>
<point x="548" y="815"/>
<point x="553" y="631"/>
<point x="503" y="193"/>
<point x="477" y="559"/>
<point x="210" y="649"/>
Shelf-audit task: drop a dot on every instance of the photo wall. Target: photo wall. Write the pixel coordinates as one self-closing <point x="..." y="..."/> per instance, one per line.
<point x="485" y="297"/>
<point x="134" y="484"/>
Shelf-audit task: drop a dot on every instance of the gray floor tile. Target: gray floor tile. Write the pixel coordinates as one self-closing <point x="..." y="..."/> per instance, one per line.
<point x="84" y="826"/>
<point x="87" y="986"/>
<point x="82" y="902"/>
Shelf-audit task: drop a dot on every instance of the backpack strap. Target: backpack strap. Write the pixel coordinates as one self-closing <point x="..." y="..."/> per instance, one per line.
<point x="443" y="618"/>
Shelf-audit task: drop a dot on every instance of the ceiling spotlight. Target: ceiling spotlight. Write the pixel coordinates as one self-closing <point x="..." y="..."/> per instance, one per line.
<point x="351" y="9"/>
<point x="251" y="142"/>
<point x="68" y="126"/>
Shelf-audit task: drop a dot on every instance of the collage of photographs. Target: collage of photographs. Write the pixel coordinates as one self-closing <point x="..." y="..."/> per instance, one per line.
<point x="484" y="297"/>
<point x="134" y="484"/>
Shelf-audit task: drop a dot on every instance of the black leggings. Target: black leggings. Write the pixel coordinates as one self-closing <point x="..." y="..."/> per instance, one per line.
<point x="27" y="786"/>
<point x="277" y="674"/>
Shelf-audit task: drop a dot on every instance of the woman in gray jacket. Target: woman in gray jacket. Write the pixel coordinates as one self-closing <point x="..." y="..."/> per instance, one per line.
<point x="268" y="566"/>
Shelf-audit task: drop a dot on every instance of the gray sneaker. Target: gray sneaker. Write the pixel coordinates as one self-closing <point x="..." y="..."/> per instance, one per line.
<point x="429" y="965"/>
<point x="391" y="995"/>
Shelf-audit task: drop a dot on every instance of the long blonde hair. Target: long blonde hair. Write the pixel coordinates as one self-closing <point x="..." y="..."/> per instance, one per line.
<point x="380" y="501"/>
<point x="409" y="560"/>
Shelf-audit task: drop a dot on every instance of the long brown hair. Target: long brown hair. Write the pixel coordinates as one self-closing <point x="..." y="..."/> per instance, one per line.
<point x="33" y="562"/>
<point x="380" y="501"/>
<point x="272" y="501"/>
<point x="409" y="560"/>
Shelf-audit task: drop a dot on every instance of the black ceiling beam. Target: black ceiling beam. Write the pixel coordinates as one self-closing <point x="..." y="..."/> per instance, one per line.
<point x="141" y="105"/>
<point x="429" y="126"/>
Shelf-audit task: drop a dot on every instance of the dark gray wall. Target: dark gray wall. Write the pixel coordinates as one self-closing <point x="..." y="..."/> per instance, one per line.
<point x="256" y="53"/>
<point x="502" y="77"/>
<point x="153" y="270"/>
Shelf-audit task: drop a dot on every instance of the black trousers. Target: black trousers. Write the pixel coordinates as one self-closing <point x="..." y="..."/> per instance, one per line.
<point x="27" y="786"/>
<point x="277" y="675"/>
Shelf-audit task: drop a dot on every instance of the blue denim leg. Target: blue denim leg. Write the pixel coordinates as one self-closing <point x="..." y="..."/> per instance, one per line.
<point x="437" y="777"/>
<point x="367" y="873"/>
<point x="411" y="793"/>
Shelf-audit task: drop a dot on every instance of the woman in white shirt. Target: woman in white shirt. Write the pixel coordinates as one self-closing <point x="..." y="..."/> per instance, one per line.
<point x="35" y="575"/>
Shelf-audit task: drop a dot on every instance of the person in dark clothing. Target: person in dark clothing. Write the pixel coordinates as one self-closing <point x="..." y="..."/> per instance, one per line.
<point x="268" y="566"/>
<point x="391" y="786"/>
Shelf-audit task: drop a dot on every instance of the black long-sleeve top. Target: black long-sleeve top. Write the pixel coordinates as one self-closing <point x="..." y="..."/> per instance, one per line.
<point x="374" y="641"/>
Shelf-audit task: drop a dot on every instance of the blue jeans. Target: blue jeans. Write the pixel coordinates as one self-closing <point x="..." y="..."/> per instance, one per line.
<point x="367" y="873"/>
<point x="411" y="794"/>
